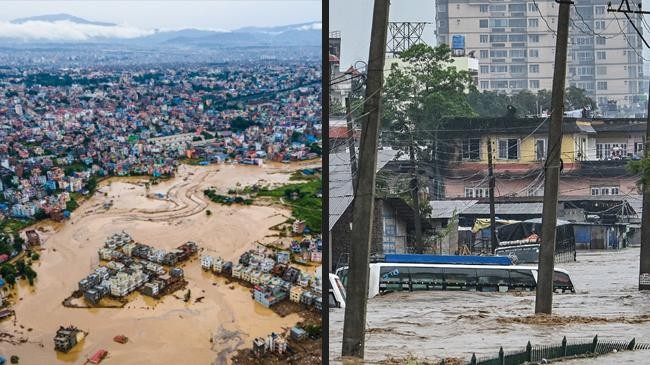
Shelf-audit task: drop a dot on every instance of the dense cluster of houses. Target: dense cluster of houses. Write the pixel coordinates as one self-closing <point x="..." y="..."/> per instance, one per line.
<point x="271" y="276"/>
<point x="133" y="266"/>
<point x="59" y="128"/>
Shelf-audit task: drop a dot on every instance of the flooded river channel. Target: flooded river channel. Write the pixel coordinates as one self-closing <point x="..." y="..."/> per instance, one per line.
<point x="440" y="324"/>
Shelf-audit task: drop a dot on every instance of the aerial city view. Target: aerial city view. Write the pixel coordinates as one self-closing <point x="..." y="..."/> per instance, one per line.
<point x="489" y="188"/>
<point x="160" y="182"/>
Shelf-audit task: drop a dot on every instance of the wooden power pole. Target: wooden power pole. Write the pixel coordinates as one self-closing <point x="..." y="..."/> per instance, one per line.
<point x="354" y="325"/>
<point x="544" y="294"/>
<point x="493" y="223"/>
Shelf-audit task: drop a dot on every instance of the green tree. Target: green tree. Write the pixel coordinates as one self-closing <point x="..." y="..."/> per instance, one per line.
<point x="240" y="124"/>
<point x="576" y="98"/>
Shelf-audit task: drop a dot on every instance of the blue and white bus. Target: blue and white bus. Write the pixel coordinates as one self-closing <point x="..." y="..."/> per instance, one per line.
<point x="392" y="276"/>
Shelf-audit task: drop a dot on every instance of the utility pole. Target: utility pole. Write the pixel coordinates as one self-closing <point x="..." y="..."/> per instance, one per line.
<point x="415" y="194"/>
<point x="544" y="293"/>
<point x="353" y="152"/>
<point x="644" y="264"/>
<point x="493" y="223"/>
<point x="354" y="325"/>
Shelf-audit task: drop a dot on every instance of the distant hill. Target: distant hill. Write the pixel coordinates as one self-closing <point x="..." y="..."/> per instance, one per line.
<point x="52" y="18"/>
<point x="304" y="34"/>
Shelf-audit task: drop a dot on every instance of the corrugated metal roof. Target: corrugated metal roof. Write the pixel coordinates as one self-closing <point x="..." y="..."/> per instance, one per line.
<point x="505" y="208"/>
<point x="446" y="208"/>
<point x="340" y="181"/>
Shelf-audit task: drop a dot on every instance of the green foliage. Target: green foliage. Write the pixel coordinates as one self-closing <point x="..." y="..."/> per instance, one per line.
<point x="240" y="124"/>
<point x="224" y="199"/>
<point x="495" y="103"/>
<point x="35" y="256"/>
<point x="92" y="184"/>
<point x="420" y="94"/>
<point x="9" y="273"/>
<point x="14" y="359"/>
<point x="642" y="168"/>
<point x="72" y="204"/>
<point x="308" y="207"/>
<point x="296" y="137"/>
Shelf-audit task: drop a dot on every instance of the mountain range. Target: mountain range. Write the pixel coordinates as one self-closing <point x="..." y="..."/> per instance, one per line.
<point x="65" y="28"/>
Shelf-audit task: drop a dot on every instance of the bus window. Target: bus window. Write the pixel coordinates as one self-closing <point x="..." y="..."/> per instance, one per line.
<point x="561" y="281"/>
<point x="426" y="278"/>
<point x="460" y="279"/>
<point x="522" y="279"/>
<point x="492" y="279"/>
<point x="343" y="275"/>
<point x="392" y="278"/>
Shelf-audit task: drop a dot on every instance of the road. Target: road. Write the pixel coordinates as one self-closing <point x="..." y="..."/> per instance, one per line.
<point x="431" y="325"/>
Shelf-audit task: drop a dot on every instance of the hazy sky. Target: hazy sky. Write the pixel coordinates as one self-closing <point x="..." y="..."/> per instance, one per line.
<point x="150" y="14"/>
<point x="354" y="20"/>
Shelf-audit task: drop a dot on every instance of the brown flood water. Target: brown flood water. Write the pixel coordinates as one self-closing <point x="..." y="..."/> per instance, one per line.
<point x="160" y="332"/>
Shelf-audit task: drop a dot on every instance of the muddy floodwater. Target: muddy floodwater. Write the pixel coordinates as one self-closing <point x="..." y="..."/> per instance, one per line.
<point x="166" y="331"/>
<point x="455" y="324"/>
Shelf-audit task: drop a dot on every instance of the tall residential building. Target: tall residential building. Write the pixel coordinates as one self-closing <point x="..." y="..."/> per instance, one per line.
<point x="515" y="44"/>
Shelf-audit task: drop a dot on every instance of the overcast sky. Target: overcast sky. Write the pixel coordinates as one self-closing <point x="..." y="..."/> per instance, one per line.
<point x="354" y="20"/>
<point x="150" y="14"/>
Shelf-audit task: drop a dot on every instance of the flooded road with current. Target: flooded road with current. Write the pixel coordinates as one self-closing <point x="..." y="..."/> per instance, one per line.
<point x="437" y="324"/>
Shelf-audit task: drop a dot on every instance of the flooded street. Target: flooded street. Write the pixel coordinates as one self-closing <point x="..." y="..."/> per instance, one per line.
<point x="160" y="331"/>
<point x="440" y="324"/>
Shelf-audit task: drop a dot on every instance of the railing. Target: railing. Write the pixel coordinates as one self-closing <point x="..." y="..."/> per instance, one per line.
<point x="538" y="353"/>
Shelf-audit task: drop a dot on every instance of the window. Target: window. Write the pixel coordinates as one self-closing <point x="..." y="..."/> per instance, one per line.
<point x="605" y="190"/>
<point x="534" y="69"/>
<point x="492" y="279"/>
<point x="522" y="279"/>
<point x="517" y="37"/>
<point x="601" y="41"/>
<point x="532" y="7"/>
<point x="601" y="55"/>
<point x="517" y="7"/>
<point x="498" y="23"/>
<point x="517" y="53"/>
<point x="585" y="71"/>
<point x="517" y="23"/>
<point x="498" y="53"/>
<point x="599" y="10"/>
<point x="498" y="38"/>
<point x="533" y="23"/>
<point x="599" y="24"/>
<point x="499" y="84"/>
<point x="561" y="281"/>
<point x="540" y="149"/>
<point x="518" y="84"/>
<point x="485" y="69"/>
<point x="533" y="38"/>
<point x="508" y="149"/>
<point x="601" y="70"/>
<point x="533" y="53"/>
<point x="426" y="278"/>
<point x="484" y="38"/>
<point x="638" y="148"/>
<point x="471" y="149"/>
<point x="393" y="278"/>
<point x="498" y="68"/>
<point x="485" y="84"/>
<point x="483" y="8"/>
<point x="483" y="23"/>
<point x="611" y="151"/>
<point x="484" y="53"/>
<point x="601" y="85"/>
<point x="534" y="84"/>
<point x="498" y="7"/>
<point x="477" y="192"/>
<point x="460" y="279"/>
<point x="518" y="68"/>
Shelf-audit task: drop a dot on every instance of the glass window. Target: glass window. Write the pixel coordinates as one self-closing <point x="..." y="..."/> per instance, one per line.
<point x="517" y="7"/>
<point x="343" y="275"/>
<point x="483" y="23"/>
<point x="471" y="149"/>
<point x="393" y="278"/>
<point x="508" y="149"/>
<point x="533" y="38"/>
<point x="533" y="53"/>
<point x="533" y="23"/>
<point x="522" y="279"/>
<point x="534" y="84"/>
<point x="484" y="38"/>
<point x="460" y="279"/>
<point x="561" y="281"/>
<point x="426" y="278"/>
<point x="483" y="8"/>
<point x="484" y="53"/>
<point x="533" y="68"/>
<point x="532" y="7"/>
<point x="491" y="279"/>
<point x="517" y="23"/>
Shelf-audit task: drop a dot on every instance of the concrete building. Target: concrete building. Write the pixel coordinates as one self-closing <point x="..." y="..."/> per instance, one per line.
<point x="515" y="44"/>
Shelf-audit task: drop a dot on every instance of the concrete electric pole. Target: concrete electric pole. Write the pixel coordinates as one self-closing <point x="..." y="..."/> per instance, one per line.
<point x="544" y="294"/>
<point x="354" y="326"/>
